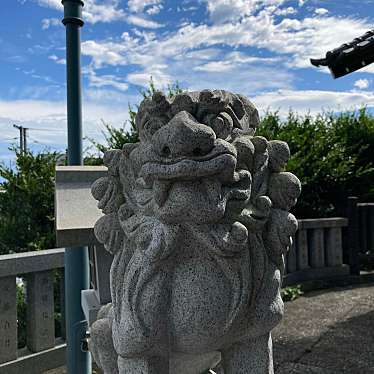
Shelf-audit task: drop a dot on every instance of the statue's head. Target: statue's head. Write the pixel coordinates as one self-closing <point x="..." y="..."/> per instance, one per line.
<point x="186" y="160"/>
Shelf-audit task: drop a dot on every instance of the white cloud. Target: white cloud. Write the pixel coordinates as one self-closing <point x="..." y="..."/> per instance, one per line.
<point x="109" y="97"/>
<point x="138" y="6"/>
<point x="108" y="53"/>
<point x="155" y="9"/>
<point x="48" y="22"/>
<point x="227" y="10"/>
<point x="143" y="22"/>
<point x="215" y="66"/>
<point x="173" y="58"/>
<point x="362" y="84"/>
<point x="221" y="11"/>
<point x="285" y="11"/>
<point x="102" y="11"/>
<point x="60" y="61"/>
<point x="312" y="101"/>
<point x="54" y="4"/>
<point x="321" y="11"/>
<point x="201" y="54"/>
<point x="232" y="62"/>
<point x="50" y="117"/>
<point x="93" y="11"/>
<point x="158" y="73"/>
<point x="167" y="56"/>
<point x="247" y="80"/>
<point x="108" y="80"/>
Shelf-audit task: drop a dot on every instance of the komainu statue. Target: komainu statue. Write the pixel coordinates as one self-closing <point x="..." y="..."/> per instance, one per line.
<point x="197" y="218"/>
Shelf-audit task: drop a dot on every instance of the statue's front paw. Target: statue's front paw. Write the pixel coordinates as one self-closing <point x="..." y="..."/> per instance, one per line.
<point x="101" y="346"/>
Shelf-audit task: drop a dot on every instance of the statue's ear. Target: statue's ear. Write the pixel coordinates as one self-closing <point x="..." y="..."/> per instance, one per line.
<point x="107" y="191"/>
<point x="250" y="118"/>
<point x="109" y="232"/>
<point x="111" y="161"/>
<point x="153" y="112"/>
<point x="183" y="102"/>
<point x="128" y="148"/>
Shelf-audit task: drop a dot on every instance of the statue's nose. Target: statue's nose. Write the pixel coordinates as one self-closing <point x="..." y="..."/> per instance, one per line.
<point x="183" y="136"/>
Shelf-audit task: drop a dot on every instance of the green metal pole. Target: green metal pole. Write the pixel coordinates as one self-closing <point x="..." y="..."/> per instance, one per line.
<point x="76" y="259"/>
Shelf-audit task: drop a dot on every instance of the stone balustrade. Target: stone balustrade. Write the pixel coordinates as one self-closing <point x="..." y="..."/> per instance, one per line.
<point x="43" y="351"/>
<point x="317" y="250"/>
<point x="317" y="253"/>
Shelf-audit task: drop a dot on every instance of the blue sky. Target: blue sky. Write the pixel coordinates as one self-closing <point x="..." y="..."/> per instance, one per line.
<point x="260" y="48"/>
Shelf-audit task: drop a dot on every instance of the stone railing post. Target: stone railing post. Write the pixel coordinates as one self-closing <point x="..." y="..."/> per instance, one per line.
<point x="62" y="304"/>
<point x="334" y="246"/>
<point x="302" y="249"/>
<point x="40" y="311"/>
<point x="317" y="248"/>
<point x="8" y="319"/>
<point x="353" y="237"/>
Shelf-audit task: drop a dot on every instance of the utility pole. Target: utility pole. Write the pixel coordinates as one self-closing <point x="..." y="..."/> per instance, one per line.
<point x="24" y="133"/>
<point x="76" y="259"/>
<point x="22" y="137"/>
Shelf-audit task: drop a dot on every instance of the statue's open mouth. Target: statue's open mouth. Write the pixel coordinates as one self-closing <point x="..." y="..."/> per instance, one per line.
<point x="220" y="161"/>
<point x="215" y="171"/>
<point x="191" y="169"/>
<point x="164" y="175"/>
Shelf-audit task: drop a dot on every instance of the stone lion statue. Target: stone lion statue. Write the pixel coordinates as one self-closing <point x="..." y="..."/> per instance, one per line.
<point x="197" y="218"/>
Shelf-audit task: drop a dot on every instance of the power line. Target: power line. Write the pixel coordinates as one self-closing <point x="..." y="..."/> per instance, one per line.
<point x="23" y="135"/>
<point x="45" y="129"/>
<point x="49" y="130"/>
<point x="7" y="139"/>
<point x="34" y="140"/>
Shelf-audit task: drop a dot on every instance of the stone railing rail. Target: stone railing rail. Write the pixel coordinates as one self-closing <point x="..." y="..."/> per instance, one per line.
<point x="317" y="250"/>
<point x="43" y="350"/>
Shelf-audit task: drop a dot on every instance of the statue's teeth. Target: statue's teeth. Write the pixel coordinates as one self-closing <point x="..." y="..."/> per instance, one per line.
<point x="161" y="191"/>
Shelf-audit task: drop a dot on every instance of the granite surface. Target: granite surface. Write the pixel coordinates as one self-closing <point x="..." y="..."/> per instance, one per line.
<point x="197" y="218"/>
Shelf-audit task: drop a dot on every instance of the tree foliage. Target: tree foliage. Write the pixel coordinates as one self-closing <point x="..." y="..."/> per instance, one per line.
<point x="27" y="202"/>
<point x="332" y="154"/>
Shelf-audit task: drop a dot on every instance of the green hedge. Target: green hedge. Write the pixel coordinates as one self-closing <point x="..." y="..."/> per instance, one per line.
<point x="27" y="202"/>
<point x="332" y="154"/>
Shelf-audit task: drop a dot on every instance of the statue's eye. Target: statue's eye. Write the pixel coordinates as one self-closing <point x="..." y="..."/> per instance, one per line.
<point x="152" y="125"/>
<point x="222" y="124"/>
